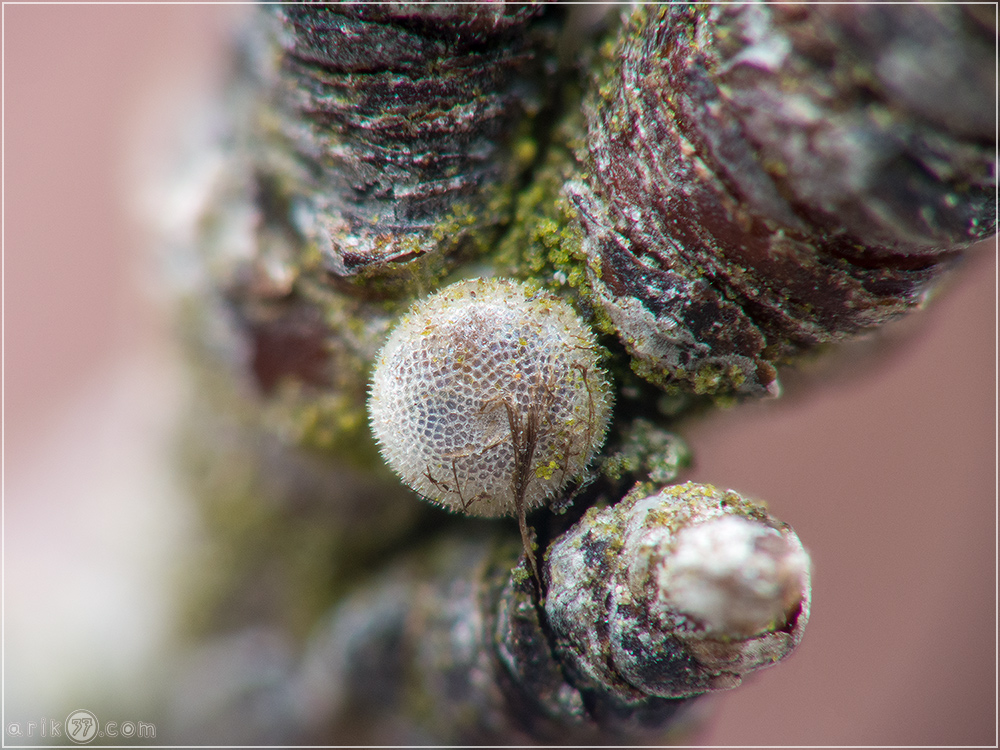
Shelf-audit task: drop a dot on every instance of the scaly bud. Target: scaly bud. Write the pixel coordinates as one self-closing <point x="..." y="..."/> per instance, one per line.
<point x="698" y="587"/>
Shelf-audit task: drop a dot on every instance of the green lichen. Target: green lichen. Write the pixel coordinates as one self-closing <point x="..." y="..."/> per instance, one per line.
<point x="547" y="470"/>
<point x="330" y="422"/>
<point x="520" y="575"/>
<point x="544" y="242"/>
<point x="280" y="541"/>
<point x="649" y="451"/>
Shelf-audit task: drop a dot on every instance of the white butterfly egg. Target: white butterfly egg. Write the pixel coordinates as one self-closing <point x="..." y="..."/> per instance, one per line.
<point x="488" y="398"/>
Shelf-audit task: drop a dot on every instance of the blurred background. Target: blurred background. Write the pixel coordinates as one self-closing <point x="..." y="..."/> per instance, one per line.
<point x="886" y="466"/>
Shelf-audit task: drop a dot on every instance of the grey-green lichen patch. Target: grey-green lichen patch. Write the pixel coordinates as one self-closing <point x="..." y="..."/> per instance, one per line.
<point x="283" y="531"/>
<point x="543" y="242"/>
<point x="331" y="423"/>
<point x="292" y="496"/>
<point x="647" y="451"/>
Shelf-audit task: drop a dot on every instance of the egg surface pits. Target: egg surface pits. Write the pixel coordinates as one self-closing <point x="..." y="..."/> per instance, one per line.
<point x="488" y="389"/>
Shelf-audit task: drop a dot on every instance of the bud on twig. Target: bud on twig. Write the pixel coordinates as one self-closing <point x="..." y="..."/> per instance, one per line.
<point x="729" y="187"/>
<point x="402" y="119"/>
<point x="697" y="588"/>
<point x="764" y="178"/>
<point x="621" y="638"/>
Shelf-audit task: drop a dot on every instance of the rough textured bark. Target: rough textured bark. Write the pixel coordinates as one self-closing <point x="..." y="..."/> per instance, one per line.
<point x="714" y="189"/>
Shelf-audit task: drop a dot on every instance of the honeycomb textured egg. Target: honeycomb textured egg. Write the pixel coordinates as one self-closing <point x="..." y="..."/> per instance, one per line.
<point x="486" y="390"/>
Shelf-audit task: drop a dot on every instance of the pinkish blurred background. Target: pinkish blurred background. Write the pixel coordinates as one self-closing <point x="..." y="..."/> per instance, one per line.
<point x="887" y="471"/>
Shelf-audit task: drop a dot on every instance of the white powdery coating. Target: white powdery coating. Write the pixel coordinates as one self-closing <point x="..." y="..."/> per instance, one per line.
<point x="734" y="575"/>
<point x="460" y="368"/>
